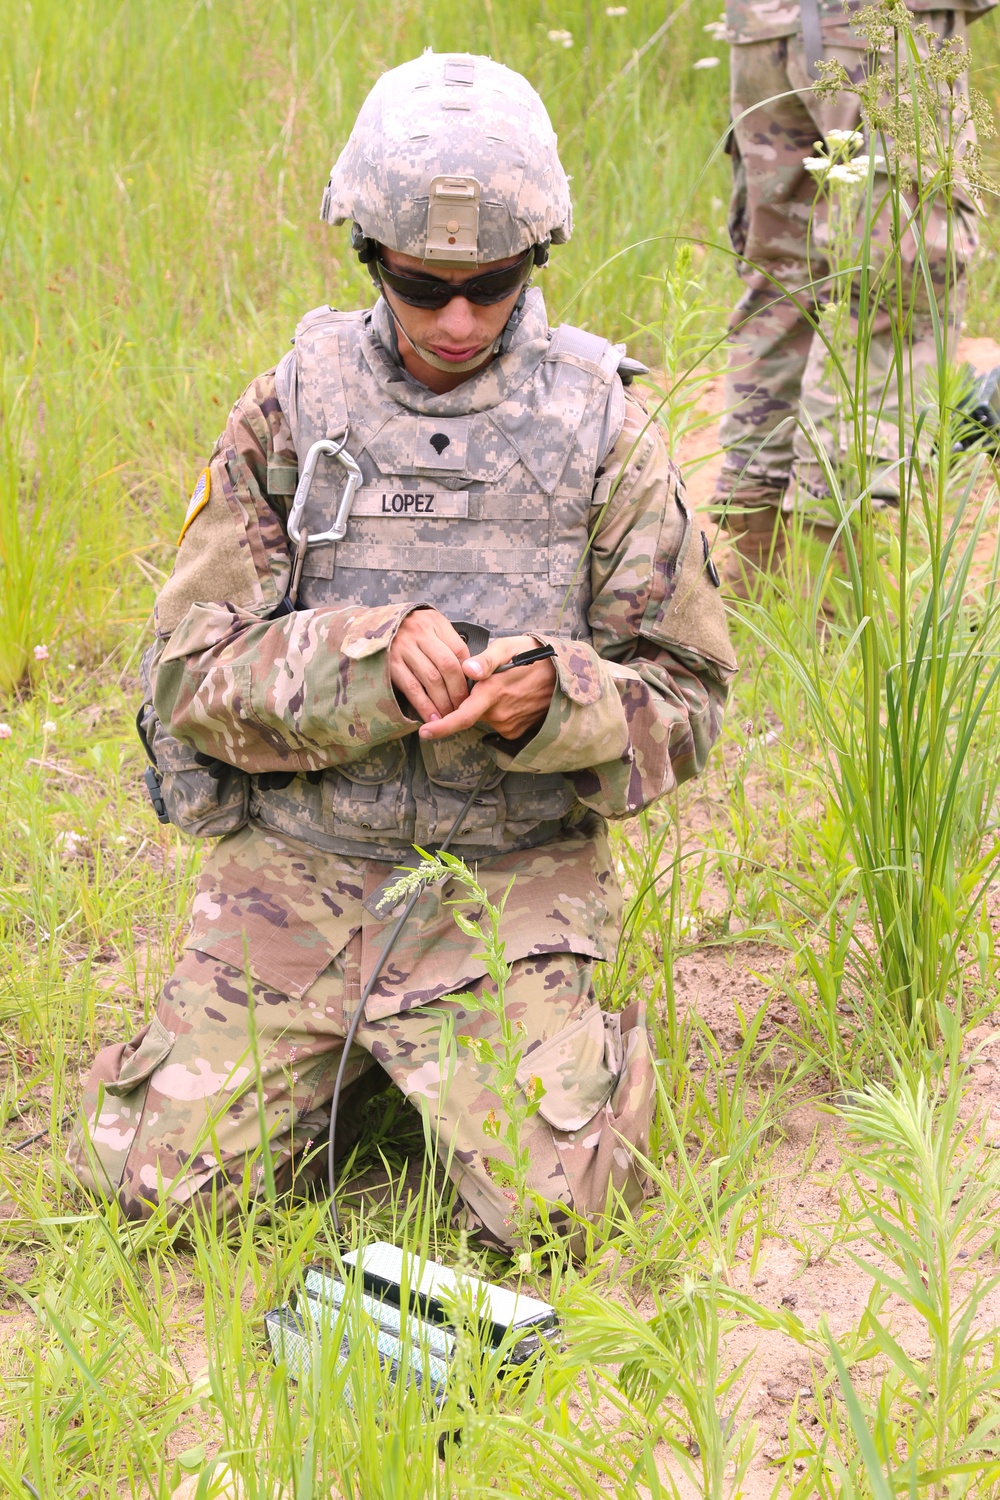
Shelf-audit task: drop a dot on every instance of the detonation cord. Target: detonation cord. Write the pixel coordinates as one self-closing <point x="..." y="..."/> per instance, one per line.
<point x="373" y="979"/>
<point x="40" y="1135"/>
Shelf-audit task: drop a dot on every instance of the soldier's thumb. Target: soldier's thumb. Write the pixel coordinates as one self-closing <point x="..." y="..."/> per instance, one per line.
<point x="481" y="666"/>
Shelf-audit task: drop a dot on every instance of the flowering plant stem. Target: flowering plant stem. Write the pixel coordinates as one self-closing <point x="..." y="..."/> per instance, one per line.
<point x="502" y="1058"/>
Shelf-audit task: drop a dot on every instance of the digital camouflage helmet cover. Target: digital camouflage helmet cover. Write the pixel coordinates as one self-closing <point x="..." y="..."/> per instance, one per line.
<point x="452" y="158"/>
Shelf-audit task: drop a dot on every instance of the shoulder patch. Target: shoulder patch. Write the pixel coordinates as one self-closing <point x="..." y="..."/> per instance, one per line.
<point x="198" y="501"/>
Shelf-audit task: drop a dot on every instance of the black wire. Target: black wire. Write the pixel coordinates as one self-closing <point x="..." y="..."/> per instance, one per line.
<point x="359" y="1013"/>
<point x="39" y="1135"/>
<point x="525" y="658"/>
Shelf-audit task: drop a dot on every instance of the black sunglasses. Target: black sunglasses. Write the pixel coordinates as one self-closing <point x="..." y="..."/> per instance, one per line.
<point x="432" y="292"/>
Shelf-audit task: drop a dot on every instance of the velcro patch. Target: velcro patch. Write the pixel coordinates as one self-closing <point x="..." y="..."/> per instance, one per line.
<point x="417" y="499"/>
<point x="197" y="502"/>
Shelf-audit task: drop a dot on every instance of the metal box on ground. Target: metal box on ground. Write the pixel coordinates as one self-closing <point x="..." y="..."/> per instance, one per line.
<point x="419" y="1337"/>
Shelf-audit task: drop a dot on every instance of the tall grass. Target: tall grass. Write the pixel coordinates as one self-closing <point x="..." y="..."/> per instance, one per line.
<point x="903" y="689"/>
<point x="920" y="1411"/>
<point x="159" y="239"/>
<point x="159" y="182"/>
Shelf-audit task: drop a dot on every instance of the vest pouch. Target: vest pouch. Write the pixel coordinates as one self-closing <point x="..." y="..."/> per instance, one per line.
<point x="368" y="800"/>
<point x="457" y="765"/>
<point x="382" y="763"/>
<point x="459" y="761"/>
<point x="537" y="799"/>
<point x="204" y="801"/>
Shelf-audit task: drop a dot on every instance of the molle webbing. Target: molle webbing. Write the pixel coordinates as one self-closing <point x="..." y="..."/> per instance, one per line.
<point x="478" y="503"/>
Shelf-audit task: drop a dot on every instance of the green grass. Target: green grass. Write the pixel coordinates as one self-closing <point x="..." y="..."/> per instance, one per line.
<point x="159" y="186"/>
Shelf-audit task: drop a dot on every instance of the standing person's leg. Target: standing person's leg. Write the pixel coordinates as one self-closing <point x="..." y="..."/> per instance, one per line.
<point x="930" y="292"/>
<point x="769" y="334"/>
<point x="769" y="330"/>
<point x="595" y="1089"/>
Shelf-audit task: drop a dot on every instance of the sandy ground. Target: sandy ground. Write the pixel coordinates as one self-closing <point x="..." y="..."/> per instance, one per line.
<point x="791" y="1272"/>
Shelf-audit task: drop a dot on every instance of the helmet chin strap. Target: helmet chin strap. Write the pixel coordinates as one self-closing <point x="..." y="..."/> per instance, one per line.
<point x="500" y="344"/>
<point x="455" y="366"/>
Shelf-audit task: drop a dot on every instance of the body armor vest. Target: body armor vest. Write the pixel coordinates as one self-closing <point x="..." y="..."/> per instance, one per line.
<point x="477" y="502"/>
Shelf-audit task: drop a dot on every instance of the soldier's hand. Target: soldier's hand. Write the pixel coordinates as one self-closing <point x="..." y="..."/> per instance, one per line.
<point x="425" y="664"/>
<point x="509" y="704"/>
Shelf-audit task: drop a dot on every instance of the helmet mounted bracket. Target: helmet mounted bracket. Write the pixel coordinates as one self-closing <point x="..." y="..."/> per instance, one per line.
<point x="453" y="220"/>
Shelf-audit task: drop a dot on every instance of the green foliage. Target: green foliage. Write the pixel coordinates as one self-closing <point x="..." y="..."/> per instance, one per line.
<point x="170" y="256"/>
<point x="158" y="241"/>
<point x="912" y="1403"/>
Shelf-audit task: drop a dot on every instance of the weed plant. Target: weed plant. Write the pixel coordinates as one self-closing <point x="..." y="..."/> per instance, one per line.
<point x="158" y="242"/>
<point x="900" y="667"/>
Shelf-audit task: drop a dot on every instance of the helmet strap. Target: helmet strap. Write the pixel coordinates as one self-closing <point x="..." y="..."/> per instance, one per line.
<point x="510" y="327"/>
<point x="434" y="360"/>
<point x="500" y="345"/>
<point x="364" y="247"/>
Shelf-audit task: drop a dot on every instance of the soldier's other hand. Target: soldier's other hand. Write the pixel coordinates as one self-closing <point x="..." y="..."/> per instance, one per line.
<point x="509" y="704"/>
<point x="425" y="664"/>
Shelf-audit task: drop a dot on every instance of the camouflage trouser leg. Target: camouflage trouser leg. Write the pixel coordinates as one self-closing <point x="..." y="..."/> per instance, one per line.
<point x="176" y="1111"/>
<point x="777" y="380"/>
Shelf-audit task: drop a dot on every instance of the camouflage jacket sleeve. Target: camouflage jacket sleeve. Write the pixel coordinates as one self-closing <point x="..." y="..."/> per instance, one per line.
<point x="299" y="693"/>
<point x="639" y="710"/>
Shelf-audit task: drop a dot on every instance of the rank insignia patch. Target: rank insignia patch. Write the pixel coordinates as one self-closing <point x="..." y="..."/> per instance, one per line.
<point x="198" y="501"/>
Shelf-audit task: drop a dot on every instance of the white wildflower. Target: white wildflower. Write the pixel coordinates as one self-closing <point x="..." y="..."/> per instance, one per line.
<point x="524" y="1262"/>
<point x="70" y="845"/>
<point x="816" y="164"/>
<point x="716" y="30"/>
<point x="49" y="727"/>
<point x="705" y="62"/>
<point x="561" y="38"/>
<point x="5" y="731"/>
<point x="616" y="10"/>
<point x="847" y="173"/>
<point x="41" y="653"/>
<point x="852" y="138"/>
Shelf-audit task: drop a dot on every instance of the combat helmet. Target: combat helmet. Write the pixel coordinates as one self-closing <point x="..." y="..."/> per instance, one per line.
<point x="452" y="158"/>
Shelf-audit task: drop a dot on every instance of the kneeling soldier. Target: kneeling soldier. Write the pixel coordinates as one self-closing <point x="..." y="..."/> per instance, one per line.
<point x="317" y="698"/>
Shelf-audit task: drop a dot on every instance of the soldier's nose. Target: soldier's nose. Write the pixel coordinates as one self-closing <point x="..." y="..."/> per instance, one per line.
<point x="457" y="320"/>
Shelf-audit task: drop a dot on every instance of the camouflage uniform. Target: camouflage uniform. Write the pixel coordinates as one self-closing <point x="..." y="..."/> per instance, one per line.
<point x="777" y="364"/>
<point x="553" y="497"/>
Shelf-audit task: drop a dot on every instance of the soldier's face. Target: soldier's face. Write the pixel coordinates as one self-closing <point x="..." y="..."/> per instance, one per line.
<point x="456" y="332"/>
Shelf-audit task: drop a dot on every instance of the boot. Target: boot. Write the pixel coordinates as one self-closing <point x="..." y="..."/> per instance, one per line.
<point x="824" y="536"/>
<point x="758" y="544"/>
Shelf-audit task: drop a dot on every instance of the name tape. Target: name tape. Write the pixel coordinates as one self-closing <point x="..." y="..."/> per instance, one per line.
<point x="410" y="502"/>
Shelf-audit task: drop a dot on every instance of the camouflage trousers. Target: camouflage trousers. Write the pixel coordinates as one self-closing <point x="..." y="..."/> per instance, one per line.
<point x="778" y="385"/>
<point x="175" y="1112"/>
